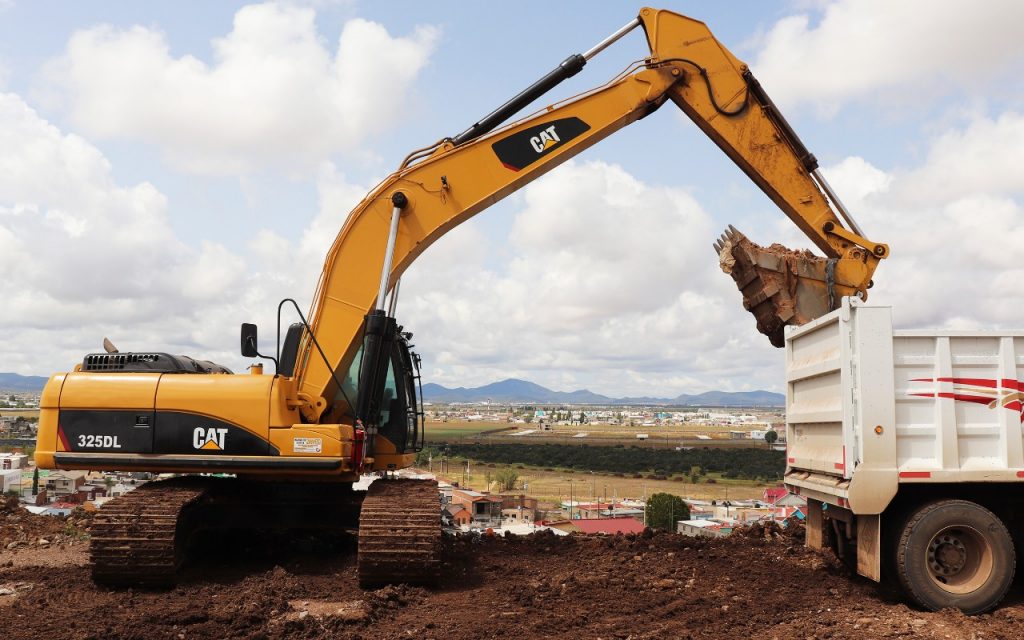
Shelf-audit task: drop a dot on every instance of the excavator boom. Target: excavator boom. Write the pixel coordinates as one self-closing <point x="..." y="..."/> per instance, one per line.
<point x="445" y="184"/>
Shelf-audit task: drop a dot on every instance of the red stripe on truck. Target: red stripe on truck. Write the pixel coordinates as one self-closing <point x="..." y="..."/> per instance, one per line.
<point x="1020" y="474"/>
<point x="963" y="397"/>
<point x="915" y="474"/>
<point x="792" y="460"/>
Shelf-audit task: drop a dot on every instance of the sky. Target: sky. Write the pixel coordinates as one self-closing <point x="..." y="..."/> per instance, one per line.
<point x="169" y="170"/>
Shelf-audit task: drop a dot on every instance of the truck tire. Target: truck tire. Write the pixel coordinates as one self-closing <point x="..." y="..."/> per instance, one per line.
<point x="955" y="553"/>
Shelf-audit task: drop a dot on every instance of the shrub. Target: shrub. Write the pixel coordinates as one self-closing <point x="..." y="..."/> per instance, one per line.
<point x="664" y="510"/>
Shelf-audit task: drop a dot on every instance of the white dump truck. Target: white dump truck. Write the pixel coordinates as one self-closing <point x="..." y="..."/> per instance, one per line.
<point x="908" y="447"/>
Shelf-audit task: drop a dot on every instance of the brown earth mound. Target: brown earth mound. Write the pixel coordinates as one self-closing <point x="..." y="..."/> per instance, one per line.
<point x="19" y="527"/>
<point x="760" y="584"/>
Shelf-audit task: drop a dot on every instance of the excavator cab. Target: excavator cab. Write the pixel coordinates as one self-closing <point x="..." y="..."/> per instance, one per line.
<point x="383" y="389"/>
<point x="388" y="397"/>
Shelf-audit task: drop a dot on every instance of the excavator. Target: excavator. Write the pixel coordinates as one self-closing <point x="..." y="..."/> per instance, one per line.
<point x="282" y="451"/>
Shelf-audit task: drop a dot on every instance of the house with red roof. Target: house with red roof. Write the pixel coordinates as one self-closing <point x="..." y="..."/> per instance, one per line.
<point x="774" y="494"/>
<point x="609" y="526"/>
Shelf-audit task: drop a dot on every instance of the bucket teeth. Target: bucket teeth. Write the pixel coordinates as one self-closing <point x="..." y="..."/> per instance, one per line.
<point x="780" y="286"/>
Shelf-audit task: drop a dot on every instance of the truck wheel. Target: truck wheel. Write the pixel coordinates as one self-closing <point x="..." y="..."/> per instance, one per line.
<point x="955" y="553"/>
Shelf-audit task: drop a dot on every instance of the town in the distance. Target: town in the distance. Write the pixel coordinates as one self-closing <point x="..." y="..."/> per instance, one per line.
<point x="517" y="458"/>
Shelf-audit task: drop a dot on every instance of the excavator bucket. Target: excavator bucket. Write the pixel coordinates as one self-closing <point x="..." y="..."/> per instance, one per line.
<point x="780" y="286"/>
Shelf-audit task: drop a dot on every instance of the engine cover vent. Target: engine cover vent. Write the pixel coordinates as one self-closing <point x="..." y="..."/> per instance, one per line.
<point x="148" y="363"/>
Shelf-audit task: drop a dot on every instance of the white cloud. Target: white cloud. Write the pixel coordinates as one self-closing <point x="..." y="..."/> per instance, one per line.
<point x="982" y="158"/>
<point x="612" y="285"/>
<point x="78" y="250"/>
<point x="895" y="51"/>
<point x="273" y="95"/>
<point x="83" y="257"/>
<point x="955" y="226"/>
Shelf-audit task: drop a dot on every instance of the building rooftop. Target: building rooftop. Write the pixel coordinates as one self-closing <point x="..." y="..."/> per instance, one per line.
<point x="609" y="525"/>
<point x="701" y="524"/>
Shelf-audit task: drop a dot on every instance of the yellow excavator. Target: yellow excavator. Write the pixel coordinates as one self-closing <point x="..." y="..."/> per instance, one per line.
<point x="344" y="397"/>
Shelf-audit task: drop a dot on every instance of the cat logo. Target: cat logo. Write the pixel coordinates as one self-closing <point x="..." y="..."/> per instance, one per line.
<point x="211" y="439"/>
<point x="547" y="138"/>
<point x="519" y="150"/>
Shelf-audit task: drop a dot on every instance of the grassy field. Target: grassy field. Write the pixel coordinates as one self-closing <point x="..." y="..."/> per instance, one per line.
<point x="448" y="431"/>
<point x="599" y="434"/>
<point x="553" y="485"/>
<point x="14" y="413"/>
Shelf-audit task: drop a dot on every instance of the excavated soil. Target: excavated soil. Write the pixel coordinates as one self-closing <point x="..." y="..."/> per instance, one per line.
<point x="761" y="584"/>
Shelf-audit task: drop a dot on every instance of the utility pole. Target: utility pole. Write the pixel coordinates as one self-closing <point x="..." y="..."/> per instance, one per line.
<point x="645" y="504"/>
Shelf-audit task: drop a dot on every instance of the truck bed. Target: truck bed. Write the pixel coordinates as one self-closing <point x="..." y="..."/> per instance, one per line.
<point x="868" y="407"/>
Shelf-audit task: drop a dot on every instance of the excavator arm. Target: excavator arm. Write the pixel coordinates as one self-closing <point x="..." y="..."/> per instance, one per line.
<point x="443" y="185"/>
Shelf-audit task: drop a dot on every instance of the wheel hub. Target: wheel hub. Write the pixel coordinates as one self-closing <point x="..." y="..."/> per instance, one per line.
<point x="959" y="559"/>
<point x="947" y="555"/>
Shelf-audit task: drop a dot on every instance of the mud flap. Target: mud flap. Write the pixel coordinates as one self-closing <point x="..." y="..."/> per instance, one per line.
<point x="779" y="286"/>
<point x="815" y="526"/>
<point x="869" y="545"/>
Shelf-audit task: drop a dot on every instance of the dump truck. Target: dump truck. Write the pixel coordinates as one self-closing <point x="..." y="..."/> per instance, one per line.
<point x="908" y="448"/>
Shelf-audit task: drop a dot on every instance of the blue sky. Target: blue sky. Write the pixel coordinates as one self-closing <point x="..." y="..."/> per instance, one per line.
<point x="148" y="126"/>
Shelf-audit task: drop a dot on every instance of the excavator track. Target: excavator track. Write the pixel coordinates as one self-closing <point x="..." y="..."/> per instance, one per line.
<point x="400" y="533"/>
<point x="135" y="538"/>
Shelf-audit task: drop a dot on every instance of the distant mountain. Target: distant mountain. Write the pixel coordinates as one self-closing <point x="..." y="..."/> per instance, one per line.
<point x="510" y="390"/>
<point x="15" y="382"/>
<point x="733" y="399"/>
<point x="513" y="390"/>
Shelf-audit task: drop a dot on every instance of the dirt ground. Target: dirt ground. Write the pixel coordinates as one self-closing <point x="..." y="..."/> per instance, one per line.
<point x="618" y="588"/>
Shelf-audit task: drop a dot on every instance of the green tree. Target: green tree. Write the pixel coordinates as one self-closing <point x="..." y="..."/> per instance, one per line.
<point x="664" y="510"/>
<point x="507" y="479"/>
<point x="771" y="437"/>
<point x="425" y="455"/>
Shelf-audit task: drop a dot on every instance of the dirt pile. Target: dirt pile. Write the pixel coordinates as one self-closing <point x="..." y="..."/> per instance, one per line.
<point x="761" y="584"/>
<point x="794" y="532"/>
<point x="20" y="527"/>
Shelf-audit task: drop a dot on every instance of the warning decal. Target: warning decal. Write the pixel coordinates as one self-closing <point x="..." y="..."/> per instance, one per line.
<point x="308" y="445"/>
